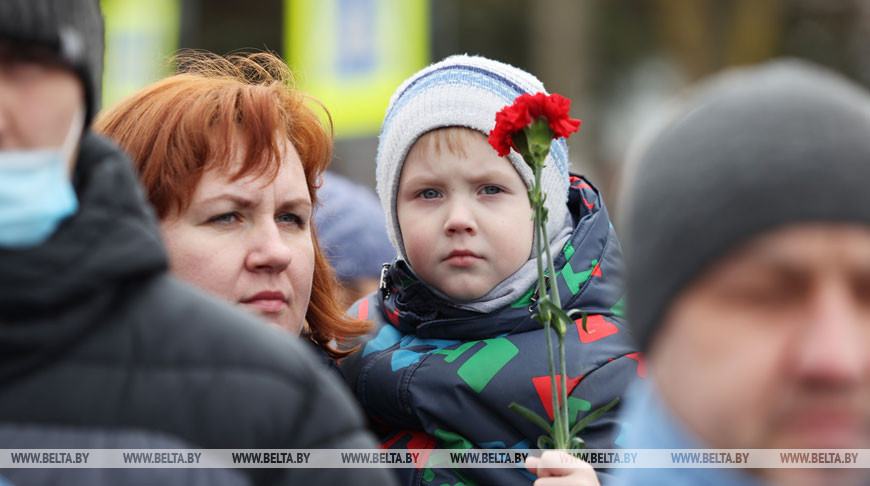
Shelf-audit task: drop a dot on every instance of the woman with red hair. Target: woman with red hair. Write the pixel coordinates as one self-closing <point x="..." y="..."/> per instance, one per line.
<point x="230" y="155"/>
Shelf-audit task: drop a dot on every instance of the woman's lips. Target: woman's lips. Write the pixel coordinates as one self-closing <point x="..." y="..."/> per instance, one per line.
<point x="461" y="258"/>
<point x="266" y="301"/>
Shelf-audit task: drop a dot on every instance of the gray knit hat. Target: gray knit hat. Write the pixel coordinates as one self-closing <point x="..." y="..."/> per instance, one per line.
<point x="754" y="149"/>
<point x="465" y="91"/>
<point x="72" y="28"/>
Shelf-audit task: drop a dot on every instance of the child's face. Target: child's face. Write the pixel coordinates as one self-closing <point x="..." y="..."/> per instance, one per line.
<point x="465" y="220"/>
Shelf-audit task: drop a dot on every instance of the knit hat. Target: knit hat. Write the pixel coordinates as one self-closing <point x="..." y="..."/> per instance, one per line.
<point x="351" y="229"/>
<point x="71" y="28"/>
<point x="753" y="150"/>
<point x="465" y="91"/>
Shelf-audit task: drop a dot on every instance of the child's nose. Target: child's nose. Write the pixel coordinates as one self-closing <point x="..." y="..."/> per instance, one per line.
<point x="460" y="218"/>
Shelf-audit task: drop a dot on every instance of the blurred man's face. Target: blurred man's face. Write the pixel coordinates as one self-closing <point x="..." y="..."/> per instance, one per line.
<point x="39" y="98"/>
<point x="770" y="348"/>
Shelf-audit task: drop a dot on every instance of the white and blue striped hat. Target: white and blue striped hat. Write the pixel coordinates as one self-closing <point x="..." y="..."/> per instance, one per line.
<point x="465" y="91"/>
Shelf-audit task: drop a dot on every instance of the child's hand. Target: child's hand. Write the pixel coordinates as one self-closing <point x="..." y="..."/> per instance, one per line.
<point x="556" y="468"/>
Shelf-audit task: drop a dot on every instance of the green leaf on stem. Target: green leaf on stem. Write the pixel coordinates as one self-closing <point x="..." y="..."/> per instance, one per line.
<point x="546" y="442"/>
<point x="577" y="444"/>
<point x="582" y="423"/>
<point x="561" y="319"/>
<point x="572" y="312"/>
<point x="536" y="197"/>
<point x="531" y="416"/>
<point x="545" y="307"/>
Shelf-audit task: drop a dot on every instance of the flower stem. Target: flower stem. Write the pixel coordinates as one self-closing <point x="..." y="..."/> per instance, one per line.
<point x="540" y="235"/>
<point x="554" y="291"/>
<point x="566" y="425"/>
<point x="561" y="424"/>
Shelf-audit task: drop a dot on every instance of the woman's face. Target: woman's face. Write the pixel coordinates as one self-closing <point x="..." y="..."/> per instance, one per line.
<point x="248" y="241"/>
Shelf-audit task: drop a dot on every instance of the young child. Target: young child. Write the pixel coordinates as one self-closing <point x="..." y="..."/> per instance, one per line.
<point x="455" y="342"/>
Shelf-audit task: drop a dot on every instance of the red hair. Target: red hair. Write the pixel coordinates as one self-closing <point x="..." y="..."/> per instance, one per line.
<point x="178" y="128"/>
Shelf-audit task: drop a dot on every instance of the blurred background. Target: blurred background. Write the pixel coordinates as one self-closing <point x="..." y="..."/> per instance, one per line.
<point x="620" y="61"/>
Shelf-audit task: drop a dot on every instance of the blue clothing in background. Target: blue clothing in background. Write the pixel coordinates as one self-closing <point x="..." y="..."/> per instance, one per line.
<point x="649" y="425"/>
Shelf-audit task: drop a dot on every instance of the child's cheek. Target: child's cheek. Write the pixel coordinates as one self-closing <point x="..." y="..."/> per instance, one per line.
<point x="418" y="248"/>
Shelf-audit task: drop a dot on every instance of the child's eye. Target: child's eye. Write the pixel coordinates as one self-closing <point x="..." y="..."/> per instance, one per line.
<point x="429" y="194"/>
<point x="225" y="218"/>
<point x="489" y="190"/>
<point x="290" y="218"/>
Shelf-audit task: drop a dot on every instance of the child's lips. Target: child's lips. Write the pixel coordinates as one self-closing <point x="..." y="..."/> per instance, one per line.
<point x="462" y="258"/>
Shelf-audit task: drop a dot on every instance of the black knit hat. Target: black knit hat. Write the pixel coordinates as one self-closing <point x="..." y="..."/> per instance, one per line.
<point x="754" y="149"/>
<point x="72" y="28"/>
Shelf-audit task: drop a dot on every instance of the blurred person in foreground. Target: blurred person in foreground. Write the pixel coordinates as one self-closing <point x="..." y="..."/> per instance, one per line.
<point x="352" y="231"/>
<point x="100" y="348"/>
<point x="747" y="237"/>
<point x="230" y="154"/>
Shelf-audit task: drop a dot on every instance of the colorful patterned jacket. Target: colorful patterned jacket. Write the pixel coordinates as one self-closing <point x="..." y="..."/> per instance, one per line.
<point x="433" y="376"/>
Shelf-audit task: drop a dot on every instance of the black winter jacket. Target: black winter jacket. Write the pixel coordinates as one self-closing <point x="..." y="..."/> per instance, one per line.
<point x="100" y="348"/>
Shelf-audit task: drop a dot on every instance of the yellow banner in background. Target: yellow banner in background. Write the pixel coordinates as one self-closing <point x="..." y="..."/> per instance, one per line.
<point x="352" y="54"/>
<point x="140" y="38"/>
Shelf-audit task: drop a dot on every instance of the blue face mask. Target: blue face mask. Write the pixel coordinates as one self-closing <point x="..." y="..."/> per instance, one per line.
<point x="36" y="193"/>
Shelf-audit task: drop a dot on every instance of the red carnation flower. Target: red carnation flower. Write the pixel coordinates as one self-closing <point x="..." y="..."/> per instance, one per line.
<point x="524" y="111"/>
<point x="556" y="109"/>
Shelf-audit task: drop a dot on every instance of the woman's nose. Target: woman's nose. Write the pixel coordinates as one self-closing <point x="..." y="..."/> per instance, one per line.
<point x="269" y="250"/>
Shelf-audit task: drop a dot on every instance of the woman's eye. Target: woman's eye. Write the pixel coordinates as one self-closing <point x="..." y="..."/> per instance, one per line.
<point x="489" y="190"/>
<point x="429" y="194"/>
<point x="225" y="218"/>
<point x="290" y="218"/>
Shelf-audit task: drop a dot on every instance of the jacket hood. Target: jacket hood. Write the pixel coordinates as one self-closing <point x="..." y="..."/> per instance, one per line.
<point x="588" y="275"/>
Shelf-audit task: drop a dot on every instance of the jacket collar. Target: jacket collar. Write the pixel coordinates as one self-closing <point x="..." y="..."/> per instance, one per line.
<point x="649" y="424"/>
